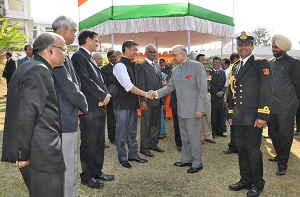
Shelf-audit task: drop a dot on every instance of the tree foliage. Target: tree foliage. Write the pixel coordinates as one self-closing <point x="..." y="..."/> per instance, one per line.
<point x="10" y="37"/>
<point x="263" y="37"/>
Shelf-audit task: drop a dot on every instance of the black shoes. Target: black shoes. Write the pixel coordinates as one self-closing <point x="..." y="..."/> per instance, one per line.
<point x="138" y="159"/>
<point x="273" y="159"/>
<point x="148" y="154"/>
<point x="157" y="149"/>
<point x="254" y="192"/>
<point x="179" y="148"/>
<point x="194" y="170"/>
<point x="267" y="136"/>
<point x="125" y="164"/>
<point x="238" y="186"/>
<point x="92" y="183"/>
<point x="180" y="164"/>
<point x="297" y="133"/>
<point x="105" y="177"/>
<point x="280" y="171"/>
<point x="222" y="135"/>
<point x="106" y="146"/>
<point x="229" y="151"/>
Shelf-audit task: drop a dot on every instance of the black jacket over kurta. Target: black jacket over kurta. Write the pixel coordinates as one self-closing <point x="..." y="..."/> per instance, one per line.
<point x="251" y="97"/>
<point x="286" y="85"/>
<point x="31" y="128"/>
<point x="126" y="100"/>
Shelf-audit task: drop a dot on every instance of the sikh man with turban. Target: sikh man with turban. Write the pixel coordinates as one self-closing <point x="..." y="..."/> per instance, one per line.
<point x="284" y="103"/>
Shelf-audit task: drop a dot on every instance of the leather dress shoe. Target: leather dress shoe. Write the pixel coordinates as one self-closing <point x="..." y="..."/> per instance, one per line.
<point x="222" y="135"/>
<point x="280" y="171"/>
<point x="125" y="164"/>
<point x="113" y="142"/>
<point x="238" y="186"/>
<point x="105" y="177"/>
<point x="148" y="154"/>
<point x="106" y="146"/>
<point x="211" y="141"/>
<point x="138" y="159"/>
<point x="254" y="192"/>
<point x="180" y="164"/>
<point x="92" y="183"/>
<point x="297" y="133"/>
<point x="157" y="149"/>
<point x="229" y="151"/>
<point x="267" y="136"/>
<point x="273" y="159"/>
<point x="179" y="148"/>
<point x="194" y="170"/>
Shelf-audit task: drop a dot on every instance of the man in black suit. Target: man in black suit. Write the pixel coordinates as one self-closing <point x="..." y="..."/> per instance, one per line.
<point x="31" y="137"/>
<point x="284" y="104"/>
<point x="9" y="68"/>
<point x="109" y="80"/>
<point x="249" y="101"/>
<point x="149" y="78"/>
<point x="217" y="91"/>
<point x="173" y="105"/>
<point x="164" y="68"/>
<point x="234" y="58"/>
<point x="92" y="124"/>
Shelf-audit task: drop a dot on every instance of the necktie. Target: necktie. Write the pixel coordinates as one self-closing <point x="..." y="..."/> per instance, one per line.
<point x="156" y="71"/>
<point x="242" y="64"/>
<point x="216" y="72"/>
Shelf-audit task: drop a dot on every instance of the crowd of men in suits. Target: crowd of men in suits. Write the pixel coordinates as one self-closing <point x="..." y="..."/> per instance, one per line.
<point x="50" y="90"/>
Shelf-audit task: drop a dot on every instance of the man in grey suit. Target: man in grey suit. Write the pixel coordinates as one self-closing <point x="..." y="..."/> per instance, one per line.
<point x="149" y="78"/>
<point x="189" y="80"/>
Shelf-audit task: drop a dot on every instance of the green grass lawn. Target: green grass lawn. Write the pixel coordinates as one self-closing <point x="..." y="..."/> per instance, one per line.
<point x="159" y="177"/>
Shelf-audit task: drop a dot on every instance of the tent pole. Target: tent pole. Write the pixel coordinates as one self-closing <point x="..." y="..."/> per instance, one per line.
<point x="112" y="41"/>
<point x="189" y="41"/>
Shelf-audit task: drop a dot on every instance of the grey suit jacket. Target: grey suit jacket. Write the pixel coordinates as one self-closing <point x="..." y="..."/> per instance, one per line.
<point x="190" y="83"/>
<point x="147" y="79"/>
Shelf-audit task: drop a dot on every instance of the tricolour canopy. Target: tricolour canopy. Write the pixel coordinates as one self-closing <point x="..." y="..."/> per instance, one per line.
<point x="165" y="23"/>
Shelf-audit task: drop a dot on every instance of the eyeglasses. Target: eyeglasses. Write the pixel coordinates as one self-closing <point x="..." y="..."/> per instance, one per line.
<point x="63" y="49"/>
<point x="151" y="51"/>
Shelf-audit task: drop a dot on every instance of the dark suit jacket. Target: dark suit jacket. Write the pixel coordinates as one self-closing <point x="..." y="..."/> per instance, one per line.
<point x="70" y="98"/>
<point x="286" y="85"/>
<point x="108" y="75"/>
<point x="252" y="92"/>
<point x="148" y="79"/>
<point x="9" y="68"/>
<point x="92" y="85"/>
<point x="31" y="128"/>
<point x="217" y="84"/>
<point x="22" y="60"/>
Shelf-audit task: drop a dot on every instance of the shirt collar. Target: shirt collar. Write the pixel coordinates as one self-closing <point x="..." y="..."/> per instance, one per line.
<point x="149" y="61"/>
<point x="246" y="59"/>
<point x="88" y="52"/>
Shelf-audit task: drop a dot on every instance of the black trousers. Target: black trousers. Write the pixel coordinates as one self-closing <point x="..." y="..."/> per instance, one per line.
<point x="248" y="142"/>
<point x="150" y="128"/>
<point x="176" y="127"/>
<point x="281" y="128"/>
<point x="298" y="119"/>
<point x="111" y="122"/>
<point x="43" y="184"/>
<point x="232" y="143"/>
<point x="217" y="118"/>
<point x="92" y="146"/>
